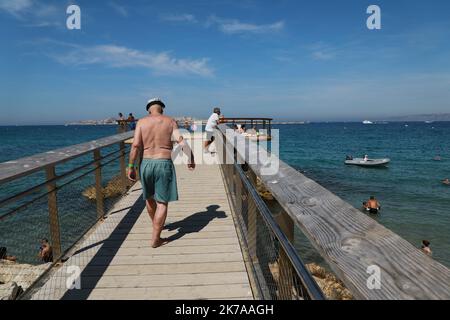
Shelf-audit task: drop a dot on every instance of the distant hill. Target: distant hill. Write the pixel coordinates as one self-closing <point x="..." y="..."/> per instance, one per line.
<point x="422" y="117"/>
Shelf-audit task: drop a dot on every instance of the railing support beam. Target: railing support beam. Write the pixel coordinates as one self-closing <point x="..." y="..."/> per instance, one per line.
<point x="123" y="170"/>
<point x="286" y="272"/>
<point x="55" y="234"/>
<point x="98" y="184"/>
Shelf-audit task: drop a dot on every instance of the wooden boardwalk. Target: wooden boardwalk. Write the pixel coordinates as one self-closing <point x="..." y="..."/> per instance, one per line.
<point x="202" y="261"/>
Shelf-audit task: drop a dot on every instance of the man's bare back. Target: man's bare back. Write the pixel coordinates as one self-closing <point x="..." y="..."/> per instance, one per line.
<point x="155" y="134"/>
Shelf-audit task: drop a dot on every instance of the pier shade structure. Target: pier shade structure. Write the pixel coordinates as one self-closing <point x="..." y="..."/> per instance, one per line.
<point x="225" y="241"/>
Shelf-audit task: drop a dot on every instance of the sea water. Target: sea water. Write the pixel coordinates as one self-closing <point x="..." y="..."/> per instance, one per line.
<point x="415" y="204"/>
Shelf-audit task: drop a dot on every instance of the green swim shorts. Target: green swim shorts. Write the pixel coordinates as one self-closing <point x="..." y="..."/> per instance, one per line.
<point x="159" y="180"/>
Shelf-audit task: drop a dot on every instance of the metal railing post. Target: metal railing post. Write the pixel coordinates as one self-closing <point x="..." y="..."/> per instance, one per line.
<point x="123" y="170"/>
<point x="55" y="234"/>
<point x="98" y="184"/>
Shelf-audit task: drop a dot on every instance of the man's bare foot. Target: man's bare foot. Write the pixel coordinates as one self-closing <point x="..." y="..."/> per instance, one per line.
<point x="160" y="242"/>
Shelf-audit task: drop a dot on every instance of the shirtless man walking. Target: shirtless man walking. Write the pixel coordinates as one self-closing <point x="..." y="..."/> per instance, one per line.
<point x="154" y="135"/>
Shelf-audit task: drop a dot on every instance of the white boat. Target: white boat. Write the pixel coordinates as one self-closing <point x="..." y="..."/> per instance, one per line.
<point x="367" y="122"/>
<point x="368" y="163"/>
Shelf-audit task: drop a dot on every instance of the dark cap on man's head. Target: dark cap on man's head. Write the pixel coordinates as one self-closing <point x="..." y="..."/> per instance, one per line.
<point x="154" y="101"/>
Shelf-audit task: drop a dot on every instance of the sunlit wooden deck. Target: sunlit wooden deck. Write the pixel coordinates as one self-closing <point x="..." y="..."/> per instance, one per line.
<point x="202" y="261"/>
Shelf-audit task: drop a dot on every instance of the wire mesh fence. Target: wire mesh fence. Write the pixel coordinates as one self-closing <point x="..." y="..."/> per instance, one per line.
<point x="275" y="269"/>
<point x="44" y="214"/>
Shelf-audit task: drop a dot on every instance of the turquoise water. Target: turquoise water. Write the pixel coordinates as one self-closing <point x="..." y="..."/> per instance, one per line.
<point x="415" y="204"/>
<point x="21" y="231"/>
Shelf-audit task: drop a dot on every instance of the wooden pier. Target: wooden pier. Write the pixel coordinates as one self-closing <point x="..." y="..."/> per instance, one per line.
<point x="225" y="243"/>
<point x="202" y="261"/>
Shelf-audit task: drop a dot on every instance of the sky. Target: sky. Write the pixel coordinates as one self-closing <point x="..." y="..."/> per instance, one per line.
<point x="286" y="59"/>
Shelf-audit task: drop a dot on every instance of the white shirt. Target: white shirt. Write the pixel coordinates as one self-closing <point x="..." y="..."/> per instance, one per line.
<point x="212" y="122"/>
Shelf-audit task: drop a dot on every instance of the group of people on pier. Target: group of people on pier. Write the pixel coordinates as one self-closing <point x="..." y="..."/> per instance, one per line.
<point x="126" y="124"/>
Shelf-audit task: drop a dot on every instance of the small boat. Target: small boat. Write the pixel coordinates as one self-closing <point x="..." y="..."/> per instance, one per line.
<point x="367" y="163"/>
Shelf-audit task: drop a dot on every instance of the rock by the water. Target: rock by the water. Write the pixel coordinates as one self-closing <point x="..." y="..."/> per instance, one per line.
<point x="10" y="291"/>
<point x="23" y="275"/>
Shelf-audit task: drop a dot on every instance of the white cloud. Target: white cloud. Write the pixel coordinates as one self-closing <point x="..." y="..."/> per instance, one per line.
<point x="322" y="51"/>
<point x="322" y="55"/>
<point x="184" y="17"/>
<point x="122" y="57"/>
<point x="15" y="7"/>
<point x="33" y="13"/>
<point x="233" y="26"/>
<point x="121" y="10"/>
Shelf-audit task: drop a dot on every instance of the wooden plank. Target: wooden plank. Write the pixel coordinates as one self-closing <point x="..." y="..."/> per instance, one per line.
<point x="167" y="251"/>
<point x="164" y="269"/>
<point x="224" y="291"/>
<point x="117" y="261"/>
<point x="174" y="280"/>
<point x="349" y="240"/>
<point x="15" y="169"/>
<point x="188" y="235"/>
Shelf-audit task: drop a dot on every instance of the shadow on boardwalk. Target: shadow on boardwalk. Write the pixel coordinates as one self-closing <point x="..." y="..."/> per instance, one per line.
<point x="195" y="223"/>
<point x="106" y="255"/>
<point x="103" y="258"/>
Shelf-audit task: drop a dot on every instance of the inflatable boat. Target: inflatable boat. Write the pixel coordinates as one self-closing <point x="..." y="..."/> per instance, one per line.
<point x="368" y="163"/>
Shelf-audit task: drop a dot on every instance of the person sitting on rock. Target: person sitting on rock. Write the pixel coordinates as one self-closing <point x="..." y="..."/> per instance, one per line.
<point x="4" y="255"/>
<point x="45" y="251"/>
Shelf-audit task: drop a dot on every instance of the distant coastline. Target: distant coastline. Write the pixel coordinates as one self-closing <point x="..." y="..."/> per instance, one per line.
<point x="104" y="122"/>
<point x="421" y="117"/>
<point x="434" y="117"/>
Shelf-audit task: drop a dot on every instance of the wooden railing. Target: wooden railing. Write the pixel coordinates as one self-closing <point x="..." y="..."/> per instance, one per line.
<point x="275" y="269"/>
<point x="47" y="162"/>
<point x="360" y="251"/>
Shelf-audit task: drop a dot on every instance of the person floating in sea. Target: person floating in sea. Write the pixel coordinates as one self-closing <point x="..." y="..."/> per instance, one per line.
<point x="426" y="248"/>
<point x="210" y="126"/>
<point x="446" y="181"/>
<point x="45" y="251"/>
<point x="153" y="137"/>
<point x="373" y="206"/>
